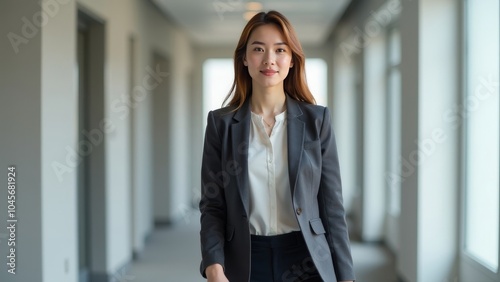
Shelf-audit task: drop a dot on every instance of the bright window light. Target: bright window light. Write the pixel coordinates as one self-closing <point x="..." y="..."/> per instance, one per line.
<point x="316" y="73"/>
<point x="481" y="107"/>
<point x="218" y="77"/>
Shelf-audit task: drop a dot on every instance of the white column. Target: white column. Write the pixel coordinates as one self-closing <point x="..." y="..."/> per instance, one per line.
<point x="374" y="143"/>
<point x="430" y="151"/>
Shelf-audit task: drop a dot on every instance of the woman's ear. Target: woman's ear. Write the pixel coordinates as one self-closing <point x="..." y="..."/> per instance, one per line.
<point x="245" y="62"/>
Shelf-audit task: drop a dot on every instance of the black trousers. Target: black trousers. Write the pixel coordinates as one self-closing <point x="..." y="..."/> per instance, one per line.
<point x="282" y="258"/>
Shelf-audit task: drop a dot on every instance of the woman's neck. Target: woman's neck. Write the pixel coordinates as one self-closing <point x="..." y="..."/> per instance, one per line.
<point x="268" y="103"/>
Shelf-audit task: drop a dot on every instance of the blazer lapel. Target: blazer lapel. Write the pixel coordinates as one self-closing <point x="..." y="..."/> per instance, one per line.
<point x="240" y="132"/>
<point x="295" y="133"/>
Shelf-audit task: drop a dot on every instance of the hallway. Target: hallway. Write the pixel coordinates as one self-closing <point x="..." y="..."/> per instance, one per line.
<point x="172" y="254"/>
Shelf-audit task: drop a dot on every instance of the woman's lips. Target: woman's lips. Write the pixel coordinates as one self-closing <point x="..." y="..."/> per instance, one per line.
<point x="268" y="72"/>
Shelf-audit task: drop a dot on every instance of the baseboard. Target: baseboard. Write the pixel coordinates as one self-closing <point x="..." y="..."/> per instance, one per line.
<point x="162" y="223"/>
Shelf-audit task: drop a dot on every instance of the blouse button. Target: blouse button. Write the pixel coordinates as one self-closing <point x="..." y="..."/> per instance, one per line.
<point x="299" y="211"/>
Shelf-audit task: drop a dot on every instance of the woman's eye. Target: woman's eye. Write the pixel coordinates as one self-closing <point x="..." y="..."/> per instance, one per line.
<point x="281" y="50"/>
<point x="258" y="49"/>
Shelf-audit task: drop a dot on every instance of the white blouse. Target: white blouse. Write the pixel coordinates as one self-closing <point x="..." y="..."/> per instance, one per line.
<point x="271" y="209"/>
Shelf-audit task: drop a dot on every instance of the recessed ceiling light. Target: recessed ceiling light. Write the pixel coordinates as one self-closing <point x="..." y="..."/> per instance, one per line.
<point x="254" y="6"/>
<point x="249" y="15"/>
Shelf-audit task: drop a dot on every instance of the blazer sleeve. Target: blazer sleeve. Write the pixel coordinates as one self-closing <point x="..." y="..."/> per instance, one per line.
<point x="331" y="204"/>
<point x="213" y="203"/>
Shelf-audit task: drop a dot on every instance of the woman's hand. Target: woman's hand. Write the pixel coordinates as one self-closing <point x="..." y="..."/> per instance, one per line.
<point x="215" y="273"/>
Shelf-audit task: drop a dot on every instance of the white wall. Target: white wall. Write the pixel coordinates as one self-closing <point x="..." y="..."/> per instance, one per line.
<point x="59" y="116"/>
<point x="181" y="121"/>
<point x="439" y="140"/>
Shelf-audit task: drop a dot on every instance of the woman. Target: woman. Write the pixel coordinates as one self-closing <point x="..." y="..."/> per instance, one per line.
<point x="271" y="206"/>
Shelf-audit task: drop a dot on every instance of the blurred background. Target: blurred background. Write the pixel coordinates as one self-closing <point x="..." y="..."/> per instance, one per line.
<point x="103" y="106"/>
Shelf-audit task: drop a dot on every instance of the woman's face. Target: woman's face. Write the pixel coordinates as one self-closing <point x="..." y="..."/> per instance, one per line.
<point x="268" y="57"/>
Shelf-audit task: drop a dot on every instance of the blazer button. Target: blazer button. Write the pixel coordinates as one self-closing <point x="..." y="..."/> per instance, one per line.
<point x="299" y="211"/>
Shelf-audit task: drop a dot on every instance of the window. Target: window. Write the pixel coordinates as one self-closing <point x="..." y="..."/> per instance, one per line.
<point x="218" y="75"/>
<point x="482" y="122"/>
<point x="316" y="73"/>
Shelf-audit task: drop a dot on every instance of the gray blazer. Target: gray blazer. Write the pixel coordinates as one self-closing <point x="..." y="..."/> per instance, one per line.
<point x="314" y="182"/>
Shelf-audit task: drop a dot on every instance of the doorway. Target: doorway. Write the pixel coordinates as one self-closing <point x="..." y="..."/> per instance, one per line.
<point x="91" y="142"/>
<point x="162" y="120"/>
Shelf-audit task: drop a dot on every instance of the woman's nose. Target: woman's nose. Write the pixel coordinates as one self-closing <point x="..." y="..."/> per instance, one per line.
<point x="269" y="59"/>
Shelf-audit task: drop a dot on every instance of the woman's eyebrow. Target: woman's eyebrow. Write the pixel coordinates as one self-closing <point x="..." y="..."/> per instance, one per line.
<point x="262" y="43"/>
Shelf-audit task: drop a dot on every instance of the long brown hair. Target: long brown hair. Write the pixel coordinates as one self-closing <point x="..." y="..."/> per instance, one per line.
<point x="295" y="84"/>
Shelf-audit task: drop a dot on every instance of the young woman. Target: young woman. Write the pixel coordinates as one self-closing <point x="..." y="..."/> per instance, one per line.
<point x="271" y="206"/>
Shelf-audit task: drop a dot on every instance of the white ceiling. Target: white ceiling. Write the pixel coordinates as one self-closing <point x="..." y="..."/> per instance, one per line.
<point x="220" y="22"/>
